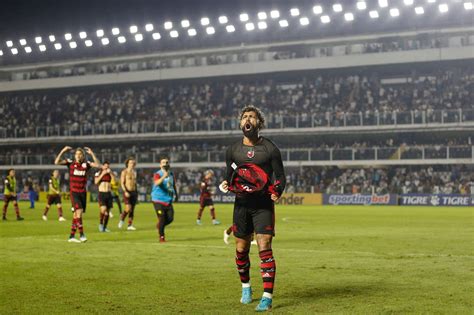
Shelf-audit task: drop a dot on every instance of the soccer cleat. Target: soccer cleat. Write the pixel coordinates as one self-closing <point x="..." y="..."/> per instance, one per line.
<point x="246" y="295"/>
<point x="106" y="230"/>
<point x="101" y="228"/>
<point x="120" y="224"/>
<point x="131" y="228"/>
<point x="111" y="215"/>
<point x="4" y="218"/>
<point x="20" y="218"/>
<point x="226" y="237"/>
<point x="162" y="239"/>
<point x="45" y="218"/>
<point x="62" y="219"/>
<point x="264" y="305"/>
<point x="73" y="240"/>
<point x="83" y="238"/>
<point x="216" y="222"/>
<point x="198" y="222"/>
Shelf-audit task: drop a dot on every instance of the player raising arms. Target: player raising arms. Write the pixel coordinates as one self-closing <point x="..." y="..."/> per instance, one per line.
<point x="9" y="194"/>
<point x="54" y="196"/>
<point x="78" y="169"/>
<point x="103" y="179"/>
<point x="205" y="200"/>
<point x="128" y="181"/>
<point x="254" y="208"/>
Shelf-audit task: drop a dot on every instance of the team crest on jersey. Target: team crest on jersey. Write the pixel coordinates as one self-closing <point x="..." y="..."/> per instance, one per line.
<point x="84" y="165"/>
<point x="250" y="153"/>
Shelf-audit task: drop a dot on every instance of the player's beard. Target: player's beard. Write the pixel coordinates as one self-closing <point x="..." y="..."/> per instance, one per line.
<point x="250" y="131"/>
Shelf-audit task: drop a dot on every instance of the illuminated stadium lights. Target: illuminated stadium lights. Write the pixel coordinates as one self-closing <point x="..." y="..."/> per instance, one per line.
<point x="42" y="48"/>
<point x="68" y="36"/>
<point x="1" y="53"/>
<point x="361" y="5"/>
<point x="262" y="25"/>
<point x="38" y="39"/>
<point x="337" y="7"/>
<point x="230" y="28"/>
<point x="73" y="45"/>
<point x="28" y="49"/>
<point x="419" y="10"/>
<point x="443" y="8"/>
<point x="408" y="2"/>
<point x="304" y="21"/>
<point x="174" y="34"/>
<point x="283" y="23"/>
<point x="88" y="43"/>
<point x="184" y="24"/>
<point x="210" y="30"/>
<point x="14" y="51"/>
<point x="317" y="9"/>
<point x="262" y="15"/>
<point x="244" y="17"/>
<point x="121" y="39"/>
<point x="133" y="29"/>
<point x="168" y="25"/>
<point x="349" y="16"/>
<point x="138" y="37"/>
<point x="249" y="26"/>
<point x="295" y="12"/>
<point x="82" y="35"/>
<point x="223" y="19"/>
<point x="22" y="42"/>
<point x="115" y="31"/>
<point x="274" y="14"/>
<point x="325" y="19"/>
<point x="58" y="46"/>
<point x="373" y="14"/>
<point x="383" y="3"/>
<point x="100" y="33"/>
<point x="149" y="27"/>
<point x="394" y="12"/>
<point x="205" y="21"/>
<point x="52" y="38"/>
<point x="468" y="5"/>
<point x="192" y="32"/>
<point x="156" y="36"/>
<point x="431" y="1"/>
<point x="105" y="41"/>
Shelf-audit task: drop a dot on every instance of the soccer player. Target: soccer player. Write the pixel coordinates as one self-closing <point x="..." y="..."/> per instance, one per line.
<point x="115" y="194"/>
<point x="78" y="169"/>
<point x="255" y="211"/>
<point x="128" y="181"/>
<point x="31" y="192"/>
<point x="205" y="200"/>
<point x="163" y="194"/>
<point x="54" y="196"/>
<point x="9" y="194"/>
<point x="103" y="179"/>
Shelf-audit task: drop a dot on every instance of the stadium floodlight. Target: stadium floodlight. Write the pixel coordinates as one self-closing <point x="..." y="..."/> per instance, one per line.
<point x="115" y="31"/>
<point x="174" y="34"/>
<point x="443" y="8"/>
<point x="373" y="14"/>
<point x="210" y="30"/>
<point x="325" y="19"/>
<point x="52" y="38"/>
<point x="73" y="45"/>
<point x="28" y="49"/>
<point x="419" y="10"/>
<point x="68" y="36"/>
<point x="348" y="16"/>
<point x="408" y="2"/>
<point x="250" y="26"/>
<point x="223" y="19"/>
<point x="138" y="37"/>
<point x="185" y="23"/>
<point x="468" y="6"/>
<point x="22" y="42"/>
<point x="133" y="29"/>
<point x="156" y="36"/>
<point x="88" y="43"/>
<point x="244" y="17"/>
<point x="262" y="25"/>
<point x="230" y="28"/>
<point x="192" y="32"/>
<point x="431" y="1"/>
<point x="274" y="14"/>
<point x="42" y="48"/>
<point x="105" y="41"/>
<point x="294" y="11"/>
<point x="100" y="33"/>
<point x="394" y="12"/>
<point x="14" y="51"/>
<point x="121" y="39"/>
<point x="383" y="3"/>
<point x="149" y="27"/>
<point x="58" y="46"/>
<point x="304" y="21"/>
<point x="262" y="15"/>
<point x="168" y="25"/>
<point x="82" y="35"/>
<point x="205" y="21"/>
<point x="283" y="23"/>
<point x="361" y="5"/>
<point x="317" y="9"/>
<point x="337" y="7"/>
<point x="1" y="52"/>
<point x="38" y="39"/>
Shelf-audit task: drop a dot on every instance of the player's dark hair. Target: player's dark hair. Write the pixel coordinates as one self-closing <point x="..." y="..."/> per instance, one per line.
<point x="106" y="162"/>
<point x="164" y="157"/>
<point x="9" y="170"/>
<point x="260" y="116"/>
<point x="131" y="158"/>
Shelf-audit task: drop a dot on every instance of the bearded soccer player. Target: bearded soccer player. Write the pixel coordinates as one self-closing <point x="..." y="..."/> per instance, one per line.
<point x="103" y="179"/>
<point x="9" y="194"/>
<point x="54" y="196"/>
<point x="78" y="169"/>
<point x="128" y="181"/>
<point x="114" y="184"/>
<point x="205" y="199"/>
<point x="254" y="210"/>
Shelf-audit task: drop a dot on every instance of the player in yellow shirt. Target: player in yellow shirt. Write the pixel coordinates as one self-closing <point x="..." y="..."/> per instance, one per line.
<point x="54" y="196"/>
<point x="9" y="194"/>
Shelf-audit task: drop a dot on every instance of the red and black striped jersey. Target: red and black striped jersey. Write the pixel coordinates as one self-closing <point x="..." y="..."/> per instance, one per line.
<point x="205" y="193"/>
<point x="106" y="178"/>
<point x="78" y="175"/>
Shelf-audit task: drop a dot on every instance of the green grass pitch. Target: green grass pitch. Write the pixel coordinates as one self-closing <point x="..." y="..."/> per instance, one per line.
<point x="343" y="259"/>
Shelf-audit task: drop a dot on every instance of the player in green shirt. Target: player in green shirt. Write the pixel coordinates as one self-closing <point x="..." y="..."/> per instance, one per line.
<point x="54" y="196"/>
<point x="9" y="194"/>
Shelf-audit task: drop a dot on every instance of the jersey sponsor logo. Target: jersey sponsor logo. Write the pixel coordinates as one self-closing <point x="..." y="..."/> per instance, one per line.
<point x="79" y="173"/>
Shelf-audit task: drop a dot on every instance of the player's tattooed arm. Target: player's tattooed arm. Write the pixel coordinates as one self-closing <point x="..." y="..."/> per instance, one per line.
<point x="59" y="160"/>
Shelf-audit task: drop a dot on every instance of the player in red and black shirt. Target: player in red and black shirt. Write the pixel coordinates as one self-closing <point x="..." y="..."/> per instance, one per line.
<point x="78" y="169"/>
<point x="103" y="180"/>
<point x="254" y="209"/>
<point x="205" y="199"/>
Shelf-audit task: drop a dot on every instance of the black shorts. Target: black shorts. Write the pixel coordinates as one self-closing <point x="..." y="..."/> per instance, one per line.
<point x="54" y="199"/>
<point x="132" y="200"/>
<point x="162" y="210"/>
<point x="8" y="198"/>
<point x="249" y="220"/>
<point x="206" y="202"/>
<point x="105" y="199"/>
<point x="78" y="201"/>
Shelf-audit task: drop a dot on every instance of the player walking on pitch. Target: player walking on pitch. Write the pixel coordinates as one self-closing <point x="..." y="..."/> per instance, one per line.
<point x="103" y="179"/>
<point x="54" y="196"/>
<point x="114" y="184"/>
<point x="254" y="206"/>
<point x="205" y="200"/>
<point x="9" y="194"/>
<point x="128" y="181"/>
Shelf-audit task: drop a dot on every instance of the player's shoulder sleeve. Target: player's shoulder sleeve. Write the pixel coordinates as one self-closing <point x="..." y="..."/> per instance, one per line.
<point x="156" y="176"/>
<point x="50" y="181"/>
<point x="88" y="165"/>
<point x="6" y="181"/>
<point x="68" y="162"/>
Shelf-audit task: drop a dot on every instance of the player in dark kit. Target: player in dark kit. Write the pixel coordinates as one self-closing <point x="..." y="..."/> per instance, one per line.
<point x="103" y="180"/>
<point x="205" y="200"/>
<point x="254" y="203"/>
<point x="77" y="186"/>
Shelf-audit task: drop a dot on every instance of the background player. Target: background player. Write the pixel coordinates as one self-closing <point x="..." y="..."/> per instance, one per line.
<point x="103" y="179"/>
<point x="9" y="194"/>
<point x="205" y="200"/>
<point x="114" y="184"/>
<point x="54" y="196"/>
<point x="128" y="181"/>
